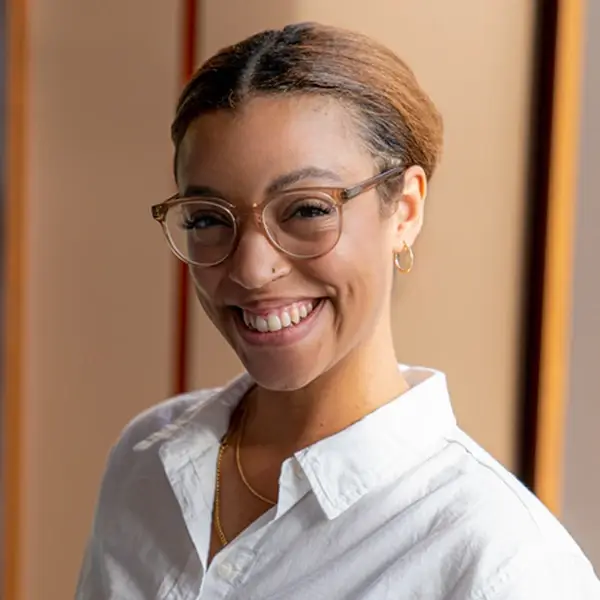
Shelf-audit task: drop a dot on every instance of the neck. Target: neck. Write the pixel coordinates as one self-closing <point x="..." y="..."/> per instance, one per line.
<point x="360" y="383"/>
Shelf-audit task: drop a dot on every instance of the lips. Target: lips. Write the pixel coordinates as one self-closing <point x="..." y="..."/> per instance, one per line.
<point x="283" y="323"/>
<point x="276" y="319"/>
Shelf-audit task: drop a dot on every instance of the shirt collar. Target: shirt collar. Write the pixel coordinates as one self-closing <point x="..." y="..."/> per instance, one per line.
<point x="382" y="446"/>
<point x="201" y="426"/>
<point x="341" y="469"/>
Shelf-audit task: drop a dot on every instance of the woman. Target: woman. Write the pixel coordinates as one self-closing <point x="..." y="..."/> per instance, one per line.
<point x="302" y="158"/>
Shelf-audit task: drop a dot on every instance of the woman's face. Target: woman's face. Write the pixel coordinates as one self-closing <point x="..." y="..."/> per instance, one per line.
<point x="321" y="310"/>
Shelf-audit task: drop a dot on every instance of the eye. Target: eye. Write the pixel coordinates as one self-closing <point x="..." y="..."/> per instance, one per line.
<point x="308" y="208"/>
<point x="203" y="219"/>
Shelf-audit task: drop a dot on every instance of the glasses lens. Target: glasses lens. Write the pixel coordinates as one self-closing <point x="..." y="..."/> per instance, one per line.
<point x="303" y="225"/>
<point x="201" y="231"/>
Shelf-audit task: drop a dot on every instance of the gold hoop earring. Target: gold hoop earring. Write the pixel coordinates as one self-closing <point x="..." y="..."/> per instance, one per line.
<point x="409" y="261"/>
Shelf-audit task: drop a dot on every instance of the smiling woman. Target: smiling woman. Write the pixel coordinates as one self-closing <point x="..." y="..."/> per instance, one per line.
<point x="327" y="470"/>
<point x="300" y="179"/>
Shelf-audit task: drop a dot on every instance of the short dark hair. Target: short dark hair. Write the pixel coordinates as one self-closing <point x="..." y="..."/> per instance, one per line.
<point x="398" y="121"/>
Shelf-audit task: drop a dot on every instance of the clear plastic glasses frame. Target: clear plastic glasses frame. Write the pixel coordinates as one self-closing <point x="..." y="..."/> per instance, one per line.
<point x="336" y="197"/>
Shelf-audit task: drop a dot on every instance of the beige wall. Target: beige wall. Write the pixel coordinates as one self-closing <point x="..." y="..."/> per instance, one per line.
<point x="460" y="309"/>
<point x="103" y="81"/>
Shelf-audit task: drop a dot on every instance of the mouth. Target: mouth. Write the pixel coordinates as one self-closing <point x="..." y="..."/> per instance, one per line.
<point x="278" y="325"/>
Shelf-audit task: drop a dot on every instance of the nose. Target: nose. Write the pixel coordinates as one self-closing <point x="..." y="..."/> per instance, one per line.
<point x="256" y="262"/>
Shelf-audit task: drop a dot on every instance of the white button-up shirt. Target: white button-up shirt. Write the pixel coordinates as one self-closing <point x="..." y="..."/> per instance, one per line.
<point x="401" y="505"/>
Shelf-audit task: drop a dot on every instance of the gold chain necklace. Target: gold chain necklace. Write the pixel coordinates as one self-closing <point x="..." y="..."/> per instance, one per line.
<point x="238" y="462"/>
<point x="222" y="447"/>
<point x="218" y="526"/>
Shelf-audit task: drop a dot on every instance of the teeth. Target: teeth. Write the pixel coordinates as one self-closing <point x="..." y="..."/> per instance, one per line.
<point x="261" y="324"/>
<point x="278" y="320"/>
<point x="247" y="319"/>
<point x="274" y="323"/>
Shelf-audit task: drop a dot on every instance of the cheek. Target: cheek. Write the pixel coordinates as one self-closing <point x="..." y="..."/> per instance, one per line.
<point x="365" y="248"/>
<point x="360" y="267"/>
<point x="206" y="283"/>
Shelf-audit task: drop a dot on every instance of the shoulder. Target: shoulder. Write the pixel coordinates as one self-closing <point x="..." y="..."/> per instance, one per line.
<point x="515" y="545"/>
<point x="499" y="501"/>
<point x="163" y="421"/>
<point x="186" y="419"/>
<point x="136" y="452"/>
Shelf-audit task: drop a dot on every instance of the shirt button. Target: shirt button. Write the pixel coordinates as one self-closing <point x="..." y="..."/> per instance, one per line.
<point x="226" y="571"/>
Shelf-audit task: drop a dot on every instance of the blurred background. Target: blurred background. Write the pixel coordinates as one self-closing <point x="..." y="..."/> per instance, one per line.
<point x="97" y="319"/>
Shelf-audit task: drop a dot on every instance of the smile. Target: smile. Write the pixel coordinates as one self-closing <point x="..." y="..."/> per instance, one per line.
<point x="278" y="326"/>
<point x="281" y="318"/>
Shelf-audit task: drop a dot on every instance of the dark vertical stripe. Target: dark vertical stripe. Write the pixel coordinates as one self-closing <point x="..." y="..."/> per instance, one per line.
<point x="15" y="280"/>
<point x="188" y="61"/>
<point x="542" y="105"/>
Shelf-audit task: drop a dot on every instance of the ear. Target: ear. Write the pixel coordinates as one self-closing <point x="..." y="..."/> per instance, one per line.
<point x="408" y="218"/>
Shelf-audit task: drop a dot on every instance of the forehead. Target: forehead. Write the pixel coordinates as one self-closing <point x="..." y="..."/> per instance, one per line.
<point x="243" y="150"/>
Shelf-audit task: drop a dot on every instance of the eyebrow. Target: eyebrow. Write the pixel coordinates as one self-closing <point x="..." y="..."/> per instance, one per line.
<point x="201" y="190"/>
<point x="288" y="179"/>
<point x="277" y="185"/>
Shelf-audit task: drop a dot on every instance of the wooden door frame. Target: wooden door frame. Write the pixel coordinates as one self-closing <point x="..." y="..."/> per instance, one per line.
<point x="555" y="121"/>
<point x="15" y="295"/>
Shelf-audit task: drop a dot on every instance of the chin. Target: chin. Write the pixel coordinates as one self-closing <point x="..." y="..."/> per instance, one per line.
<point x="280" y="375"/>
<point x="288" y="358"/>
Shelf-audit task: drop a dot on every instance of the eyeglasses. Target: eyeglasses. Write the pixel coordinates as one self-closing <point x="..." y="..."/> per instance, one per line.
<point x="302" y="223"/>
